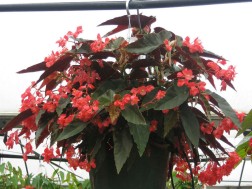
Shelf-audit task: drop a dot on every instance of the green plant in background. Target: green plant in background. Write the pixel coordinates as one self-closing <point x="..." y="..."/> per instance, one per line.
<point x="244" y="148"/>
<point x="180" y="184"/>
<point x="13" y="178"/>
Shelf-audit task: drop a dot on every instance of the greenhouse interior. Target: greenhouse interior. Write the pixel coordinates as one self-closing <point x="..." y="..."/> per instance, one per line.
<point x="30" y="32"/>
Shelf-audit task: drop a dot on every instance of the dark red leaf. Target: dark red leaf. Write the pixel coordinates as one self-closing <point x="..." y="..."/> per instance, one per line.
<point x="107" y="71"/>
<point x="190" y="62"/>
<point x="43" y="135"/>
<point x="116" y="30"/>
<point x="37" y="67"/>
<point x="23" y="131"/>
<point x="230" y="84"/>
<point x="51" y="85"/>
<point x="101" y="55"/>
<point x="61" y="143"/>
<point x="208" y="152"/>
<point x="195" y="156"/>
<point x="224" y="139"/>
<point x="138" y="74"/>
<point x="124" y="21"/>
<point x="60" y="65"/>
<point x="200" y="116"/>
<point x="143" y="63"/>
<point x="16" y="120"/>
<point x="45" y="123"/>
<point x="217" y="112"/>
<point x="211" y="80"/>
<point x="158" y="29"/>
<point x="211" y="55"/>
<point x="214" y="143"/>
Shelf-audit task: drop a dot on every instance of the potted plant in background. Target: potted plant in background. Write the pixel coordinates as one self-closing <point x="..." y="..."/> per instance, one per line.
<point x="130" y="113"/>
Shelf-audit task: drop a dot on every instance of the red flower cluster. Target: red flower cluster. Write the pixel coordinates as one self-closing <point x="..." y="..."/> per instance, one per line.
<point x="48" y="154"/>
<point x="53" y="57"/>
<point x="207" y="127"/>
<point x="75" y="160"/>
<point x="11" y="139"/>
<point x="62" y="41"/>
<point x="184" y="78"/>
<point x="64" y="120"/>
<point x="196" y="46"/>
<point x="99" y="45"/>
<point x="225" y="124"/>
<point x="217" y="172"/>
<point x="225" y="75"/>
<point x="101" y="123"/>
<point x="86" y="108"/>
<point x="133" y="97"/>
<point x="181" y="167"/>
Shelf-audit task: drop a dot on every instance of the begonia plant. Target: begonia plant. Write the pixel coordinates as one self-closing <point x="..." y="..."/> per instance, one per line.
<point x="112" y="95"/>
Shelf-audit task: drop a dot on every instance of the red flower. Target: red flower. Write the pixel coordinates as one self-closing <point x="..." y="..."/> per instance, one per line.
<point x="78" y="31"/>
<point x="153" y="125"/>
<point x="207" y="127"/>
<point x="29" y="187"/>
<point x="48" y="154"/>
<point x="64" y="120"/>
<point x="160" y="94"/>
<point x="12" y="138"/>
<point x="167" y="46"/>
<point x="99" y="45"/>
<point x="28" y="148"/>
<point x="196" y="46"/>
<point x="186" y="74"/>
<point x="250" y="142"/>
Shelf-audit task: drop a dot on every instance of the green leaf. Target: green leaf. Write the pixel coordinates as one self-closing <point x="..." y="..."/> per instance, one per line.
<point x="226" y="108"/>
<point x="122" y="147"/>
<point x="63" y="102"/>
<point x="114" y="44"/>
<point x="243" y="145"/>
<point x="174" y="97"/>
<point x="84" y="49"/>
<point x="54" y="134"/>
<point x="107" y="98"/>
<point x="41" y="112"/>
<point x="2" y="166"/>
<point x="170" y="120"/>
<point x="246" y="124"/>
<point x="97" y="147"/>
<point x="179" y="40"/>
<point x="133" y="115"/>
<point x="140" y="135"/>
<point x="72" y="129"/>
<point x="115" y="85"/>
<point x="207" y="107"/>
<point x="190" y="124"/>
<point x="39" y="133"/>
<point x="147" y="100"/>
<point x="62" y="176"/>
<point x="149" y="42"/>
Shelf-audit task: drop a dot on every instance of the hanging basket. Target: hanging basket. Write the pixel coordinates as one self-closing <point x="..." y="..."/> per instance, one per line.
<point x="146" y="172"/>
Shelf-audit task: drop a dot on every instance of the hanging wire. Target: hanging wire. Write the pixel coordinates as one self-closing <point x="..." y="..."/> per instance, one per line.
<point x="129" y="25"/>
<point x="139" y="21"/>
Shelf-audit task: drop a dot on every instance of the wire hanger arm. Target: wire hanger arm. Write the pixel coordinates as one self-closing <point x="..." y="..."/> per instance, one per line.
<point x="109" y="5"/>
